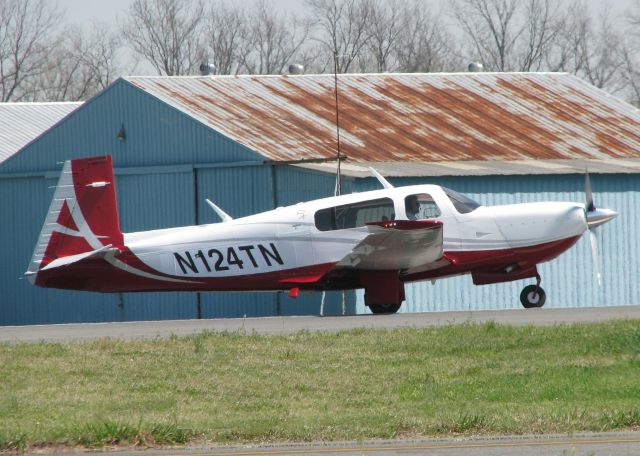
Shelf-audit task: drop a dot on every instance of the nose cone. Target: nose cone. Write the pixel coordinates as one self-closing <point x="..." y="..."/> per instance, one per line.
<point x="566" y="220"/>
<point x="599" y="217"/>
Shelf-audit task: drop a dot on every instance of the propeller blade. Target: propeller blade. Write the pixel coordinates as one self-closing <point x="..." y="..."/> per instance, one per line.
<point x="587" y="190"/>
<point x="595" y="217"/>
<point x="595" y="257"/>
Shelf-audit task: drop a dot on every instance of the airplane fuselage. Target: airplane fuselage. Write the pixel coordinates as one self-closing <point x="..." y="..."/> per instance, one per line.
<point x="276" y="249"/>
<point x="376" y="240"/>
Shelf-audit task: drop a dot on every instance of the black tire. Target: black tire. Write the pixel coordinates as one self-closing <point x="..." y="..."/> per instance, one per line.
<point x="384" y="308"/>
<point x="532" y="296"/>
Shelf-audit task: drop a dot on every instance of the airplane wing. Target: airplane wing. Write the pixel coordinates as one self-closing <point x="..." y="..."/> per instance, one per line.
<point x="414" y="245"/>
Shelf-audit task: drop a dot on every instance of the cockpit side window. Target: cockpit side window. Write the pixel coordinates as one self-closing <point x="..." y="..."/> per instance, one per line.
<point x="421" y="206"/>
<point x="462" y="203"/>
<point x="354" y="215"/>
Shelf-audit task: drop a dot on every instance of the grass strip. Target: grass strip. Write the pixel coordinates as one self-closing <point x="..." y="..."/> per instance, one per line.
<point x="349" y="385"/>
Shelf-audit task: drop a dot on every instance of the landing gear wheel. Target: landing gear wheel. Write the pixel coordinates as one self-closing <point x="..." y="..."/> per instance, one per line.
<point x="384" y="308"/>
<point x="533" y="296"/>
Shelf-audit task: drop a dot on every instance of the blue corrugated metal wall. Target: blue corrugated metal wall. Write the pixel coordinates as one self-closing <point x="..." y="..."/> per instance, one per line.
<point x="568" y="280"/>
<point x="168" y="164"/>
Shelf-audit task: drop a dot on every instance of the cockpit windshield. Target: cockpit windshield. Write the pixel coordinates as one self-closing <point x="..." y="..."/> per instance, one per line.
<point x="462" y="203"/>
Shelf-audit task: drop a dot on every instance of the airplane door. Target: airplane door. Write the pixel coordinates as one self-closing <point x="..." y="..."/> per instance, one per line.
<point x="295" y="239"/>
<point x="421" y="206"/>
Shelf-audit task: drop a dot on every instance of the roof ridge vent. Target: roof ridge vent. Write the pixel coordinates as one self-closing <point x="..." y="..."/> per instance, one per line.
<point x="475" y="67"/>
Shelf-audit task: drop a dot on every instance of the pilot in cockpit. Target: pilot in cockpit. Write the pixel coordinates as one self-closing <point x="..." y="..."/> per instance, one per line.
<point x="412" y="208"/>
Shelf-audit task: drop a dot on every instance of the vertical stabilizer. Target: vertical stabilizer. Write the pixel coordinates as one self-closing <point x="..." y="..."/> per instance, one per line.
<point x="83" y="216"/>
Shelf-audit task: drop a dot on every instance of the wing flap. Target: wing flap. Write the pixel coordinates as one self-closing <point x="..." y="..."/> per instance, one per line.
<point x="397" y="245"/>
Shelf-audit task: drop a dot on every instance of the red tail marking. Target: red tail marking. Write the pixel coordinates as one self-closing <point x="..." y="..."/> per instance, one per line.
<point x="65" y="219"/>
<point x="98" y="204"/>
<point x="62" y="245"/>
<point x="89" y="213"/>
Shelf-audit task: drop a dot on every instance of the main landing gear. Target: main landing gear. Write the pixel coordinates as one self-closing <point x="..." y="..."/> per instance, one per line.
<point x="533" y="295"/>
<point x="384" y="308"/>
<point x="383" y="291"/>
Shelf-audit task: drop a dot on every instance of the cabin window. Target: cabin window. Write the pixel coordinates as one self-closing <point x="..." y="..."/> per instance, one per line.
<point x="421" y="206"/>
<point x="462" y="203"/>
<point x="354" y="215"/>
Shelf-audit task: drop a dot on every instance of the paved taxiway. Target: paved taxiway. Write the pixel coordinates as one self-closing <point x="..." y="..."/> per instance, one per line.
<point x="614" y="444"/>
<point x="287" y="325"/>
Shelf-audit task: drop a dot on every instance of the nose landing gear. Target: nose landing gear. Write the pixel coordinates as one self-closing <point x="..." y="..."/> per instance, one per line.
<point x="533" y="295"/>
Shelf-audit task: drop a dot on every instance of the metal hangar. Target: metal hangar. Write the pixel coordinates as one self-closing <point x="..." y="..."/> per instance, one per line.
<point x="251" y="143"/>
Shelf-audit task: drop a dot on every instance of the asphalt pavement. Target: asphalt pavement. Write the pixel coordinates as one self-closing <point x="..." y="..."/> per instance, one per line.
<point x="286" y="325"/>
<point x="611" y="444"/>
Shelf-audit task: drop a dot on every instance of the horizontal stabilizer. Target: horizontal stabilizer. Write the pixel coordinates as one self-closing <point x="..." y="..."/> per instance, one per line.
<point x="67" y="260"/>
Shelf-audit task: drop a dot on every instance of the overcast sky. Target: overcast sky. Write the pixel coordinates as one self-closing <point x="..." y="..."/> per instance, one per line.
<point x="86" y="11"/>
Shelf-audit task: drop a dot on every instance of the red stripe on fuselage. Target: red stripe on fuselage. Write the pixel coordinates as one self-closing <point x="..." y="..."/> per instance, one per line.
<point x="98" y="275"/>
<point x="463" y="262"/>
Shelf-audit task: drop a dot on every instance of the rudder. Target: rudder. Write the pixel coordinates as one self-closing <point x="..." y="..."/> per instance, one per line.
<point x="83" y="215"/>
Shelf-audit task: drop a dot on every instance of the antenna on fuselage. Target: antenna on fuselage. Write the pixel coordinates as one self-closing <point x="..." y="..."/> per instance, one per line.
<point x="385" y="183"/>
<point x="335" y="86"/>
<point x="223" y="215"/>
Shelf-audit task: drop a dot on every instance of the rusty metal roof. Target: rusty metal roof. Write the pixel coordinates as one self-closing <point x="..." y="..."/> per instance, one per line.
<point x="407" y="119"/>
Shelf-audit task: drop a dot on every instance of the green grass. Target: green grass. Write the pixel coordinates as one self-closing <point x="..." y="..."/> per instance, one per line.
<point x="360" y="384"/>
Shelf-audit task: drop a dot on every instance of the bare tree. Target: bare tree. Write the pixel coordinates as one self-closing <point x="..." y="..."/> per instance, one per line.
<point x="102" y="55"/>
<point x="84" y="64"/>
<point x="543" y="24"/>
<point x="27" y="36"/>
<point x="489" y="25"/>
<point x="275" y="40"/>
<point x="166" y="33"/>
<point x="225" y="38"/>
<point x="604" y="56"/>
<point x="568" y="50"/>
<point x="342" y="29"/>
<point x="508" y="35"/>
<point x="384" y="29"/>
<point x="595" y="52"/>
<point x="630" y="55"/>
<point x="424" y="43"/>
<point x="405" y="36"/>
<point x="631" y="75"/>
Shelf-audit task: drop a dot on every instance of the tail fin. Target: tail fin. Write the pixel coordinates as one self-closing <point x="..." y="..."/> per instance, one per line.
<point x="82" y="218"/>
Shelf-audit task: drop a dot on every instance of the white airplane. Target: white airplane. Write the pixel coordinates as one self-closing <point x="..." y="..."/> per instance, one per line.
<point x="377" y="240"/>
